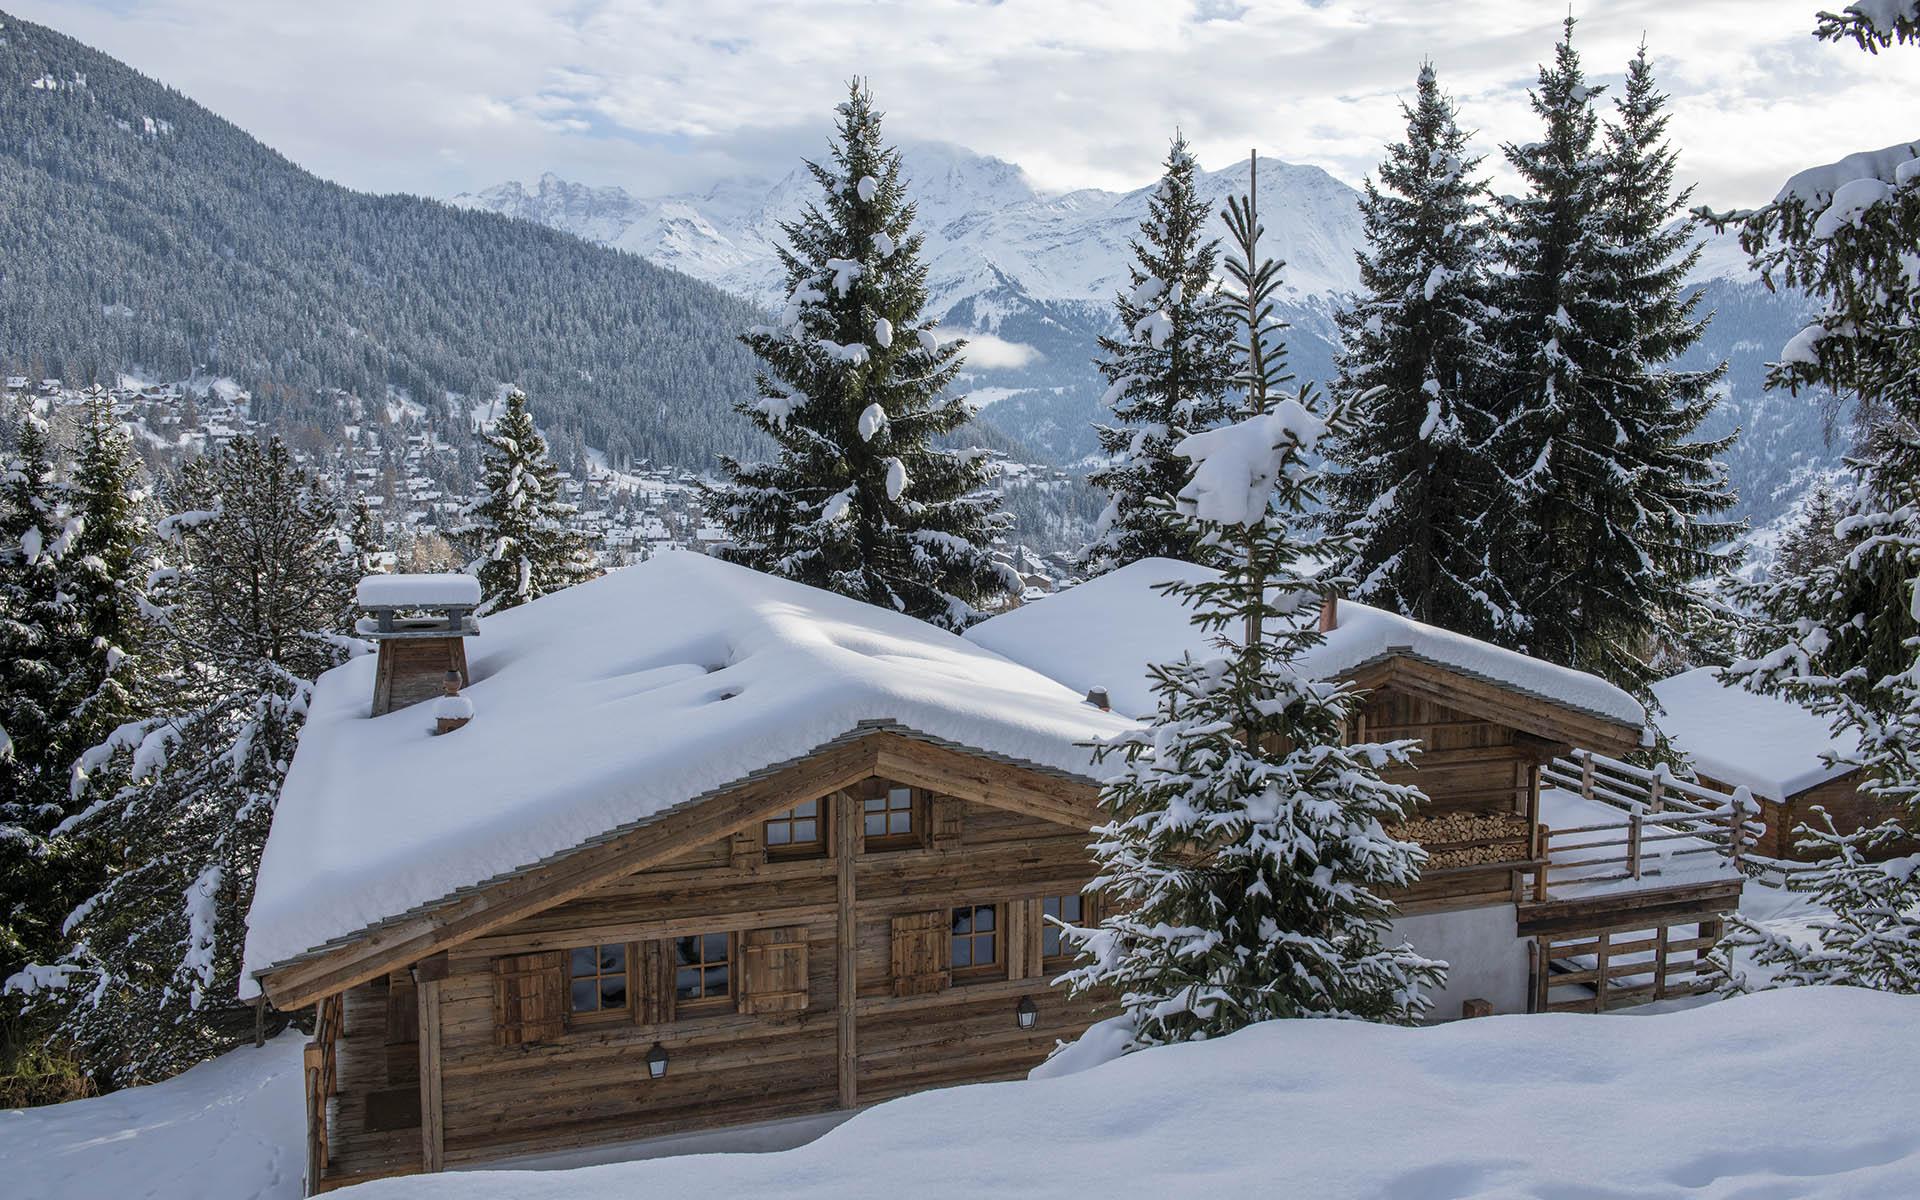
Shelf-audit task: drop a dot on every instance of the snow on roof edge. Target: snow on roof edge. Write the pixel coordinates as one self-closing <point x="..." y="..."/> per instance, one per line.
<point x="863" y="729"/>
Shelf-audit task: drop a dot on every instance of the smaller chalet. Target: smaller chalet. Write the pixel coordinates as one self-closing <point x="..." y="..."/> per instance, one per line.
<point x="1772" y="747"/>
<point x="1558" y="877"/>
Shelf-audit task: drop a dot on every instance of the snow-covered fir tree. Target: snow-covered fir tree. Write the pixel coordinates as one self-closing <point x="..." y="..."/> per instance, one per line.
<point x="1596" y="424"/>
<point x="1847" y="634"/>
<point x="113" y="554"/>
<point x="515" y="537"/>
<point x="146" y="979"/>
<point x="1246" y="845"/>
<point x="40" y="648"/>
<point x="1415" y="480"/>
<point x="854" y="391"/>
<point x="1168" y="372"/>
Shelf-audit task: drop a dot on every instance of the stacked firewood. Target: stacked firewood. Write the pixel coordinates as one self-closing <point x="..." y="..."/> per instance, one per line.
<point x="1463" y="839"/>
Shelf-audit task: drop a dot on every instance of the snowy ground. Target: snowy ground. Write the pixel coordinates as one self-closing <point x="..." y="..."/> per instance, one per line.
<point x="230" y="1129"/>
<point x="1806" y="1092"/>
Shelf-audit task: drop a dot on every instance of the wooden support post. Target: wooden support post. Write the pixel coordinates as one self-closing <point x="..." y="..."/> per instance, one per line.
<point x="1601" y="964"/>
<point x="847" y="827"/>
<point x="1656" y="792"/>
<point x="259" y="1021"/>
<point x="1586" y="774"/>
<point x="433" y="1130"/>
<point x="1634" y="821"/>
<point x="1660" y="963"/>
<point x="1737" y="826"/>
<point x="1534" y="968"/>
<point x="1541" y="837"/>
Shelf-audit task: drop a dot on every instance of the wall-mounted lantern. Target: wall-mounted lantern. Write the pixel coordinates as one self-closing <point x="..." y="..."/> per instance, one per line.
<point x="1027" y="1013"/>
<point x="657" y="1061"/>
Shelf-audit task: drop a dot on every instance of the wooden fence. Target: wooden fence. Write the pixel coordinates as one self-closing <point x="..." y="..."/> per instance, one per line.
<point x="1666" y="821"/>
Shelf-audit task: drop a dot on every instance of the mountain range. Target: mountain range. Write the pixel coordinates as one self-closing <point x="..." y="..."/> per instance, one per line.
<point x="1029" y="277"/>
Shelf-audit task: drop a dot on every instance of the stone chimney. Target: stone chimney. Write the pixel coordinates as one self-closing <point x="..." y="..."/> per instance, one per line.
<point x="1329" y="613"/>
<point x="421" y="623"/>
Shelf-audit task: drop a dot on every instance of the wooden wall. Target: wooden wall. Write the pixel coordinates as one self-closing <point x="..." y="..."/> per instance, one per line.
<point x="1852" y="809"/>
<point x="591" y="1083"/>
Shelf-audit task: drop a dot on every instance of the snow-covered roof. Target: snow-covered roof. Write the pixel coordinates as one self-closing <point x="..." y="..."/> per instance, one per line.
<point x="1105" y="633"/>
<point x="417" y="591"/>
<point x="1764" y="743"/>
<point x="605" y="704"/>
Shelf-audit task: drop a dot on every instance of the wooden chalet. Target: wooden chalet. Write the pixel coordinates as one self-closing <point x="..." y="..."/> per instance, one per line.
<point x="1775" y="749"/>
<point x="1539" y="896"/>
<point x="702" y="848"/>
<point x="819" y="931"/>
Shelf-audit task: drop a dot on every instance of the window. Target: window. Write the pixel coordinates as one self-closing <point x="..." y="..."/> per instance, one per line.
<point x="702" y="970"/>
<point x="599" y="975"/>
<point x="1072" y="910"/>
<point x="797" y="829"/>
<point x="976" y="938"/>
<point x="889" y="814"/>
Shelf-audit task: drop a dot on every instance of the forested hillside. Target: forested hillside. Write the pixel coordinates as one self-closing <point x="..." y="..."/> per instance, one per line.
<point x="143" y="232"/>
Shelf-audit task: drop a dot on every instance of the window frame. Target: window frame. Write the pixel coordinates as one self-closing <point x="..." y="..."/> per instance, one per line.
<point x="705" y="1005"/>
<point x="822" y="830"/>
<point x="977" y="971"/>
<point x="1065" y="956"/>
<point x="630" y="965"/>
<point x="916" y="810"/>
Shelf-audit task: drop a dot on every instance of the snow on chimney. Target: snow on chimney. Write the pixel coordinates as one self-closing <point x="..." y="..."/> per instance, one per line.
<point x="421" y="623"/>
<point x="1329" y="614"/>
<point x="452" y="710"/>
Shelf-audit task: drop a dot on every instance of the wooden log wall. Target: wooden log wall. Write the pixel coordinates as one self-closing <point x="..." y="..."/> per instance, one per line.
<point x="849" y="1045"/>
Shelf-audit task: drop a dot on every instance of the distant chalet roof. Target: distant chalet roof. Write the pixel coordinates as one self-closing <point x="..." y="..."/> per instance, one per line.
<point x="418" y="591"/>
<point x="1107" y="631"/>
<point x="607" y="704"/>
<point x="1766" y="744"/>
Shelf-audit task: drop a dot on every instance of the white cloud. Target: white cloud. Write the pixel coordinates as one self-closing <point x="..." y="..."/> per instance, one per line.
<point x="390" y="95"/>
<point x="990" y="352"/>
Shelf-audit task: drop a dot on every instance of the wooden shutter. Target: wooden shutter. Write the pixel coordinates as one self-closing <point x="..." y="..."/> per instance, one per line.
<point x="921" y="953"/>
<point x="530" y="997"/>
<point x="652" y="967"/>
<point x="948" y="818"/>
<point x="773" y="969"/>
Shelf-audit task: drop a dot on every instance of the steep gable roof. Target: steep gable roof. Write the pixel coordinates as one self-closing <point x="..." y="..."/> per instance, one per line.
<point x="605" y="705"/>
<point x="1105" y="633"/>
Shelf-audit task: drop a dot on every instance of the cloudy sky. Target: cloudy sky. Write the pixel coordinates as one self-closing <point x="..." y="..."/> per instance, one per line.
<point x="438" y="97"/>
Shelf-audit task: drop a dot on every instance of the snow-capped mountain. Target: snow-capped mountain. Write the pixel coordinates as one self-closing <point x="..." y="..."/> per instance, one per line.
<point x="1030" y="277"/>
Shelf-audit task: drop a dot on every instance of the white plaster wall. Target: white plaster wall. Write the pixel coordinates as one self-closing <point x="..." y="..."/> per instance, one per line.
<point x="1487" y="959"/>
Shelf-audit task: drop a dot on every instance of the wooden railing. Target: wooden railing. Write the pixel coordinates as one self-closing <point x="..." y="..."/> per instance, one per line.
<point x="1665" y="820"/>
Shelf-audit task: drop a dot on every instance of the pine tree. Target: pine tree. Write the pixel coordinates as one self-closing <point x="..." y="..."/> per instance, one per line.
<point x="1168" y="372"/>
<point x="858" y="500"/>
<point x="1595" y="425"/>
<point x="112" y="557"/>
<point x="40" y="647"/>
<point x="1415" y="483"/>
<point x="1847" y="635"/>
<point x="146" y="981"/>
<point x="1247" y="838"/>
<point x="516" y="538"/>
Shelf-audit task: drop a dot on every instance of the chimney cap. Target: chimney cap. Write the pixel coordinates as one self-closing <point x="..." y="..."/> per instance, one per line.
<point x="1097" y="696"/>
<point x="440" y="591"/>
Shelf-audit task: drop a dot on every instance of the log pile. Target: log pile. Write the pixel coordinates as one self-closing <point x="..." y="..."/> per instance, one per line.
<point x="1466" y="839"/>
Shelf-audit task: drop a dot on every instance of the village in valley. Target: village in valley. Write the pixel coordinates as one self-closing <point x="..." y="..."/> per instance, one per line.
<point x="527" y="695"/>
